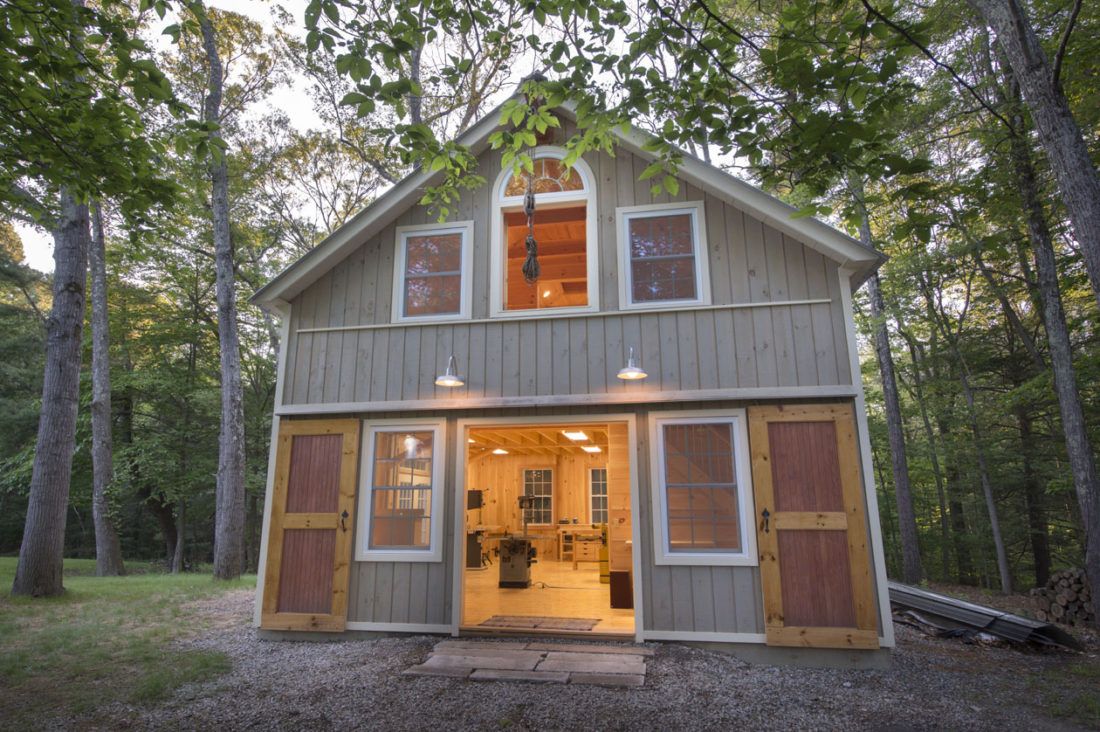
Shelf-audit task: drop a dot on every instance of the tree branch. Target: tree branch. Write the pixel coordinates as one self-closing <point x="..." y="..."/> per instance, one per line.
<point x="931" y="57"/>
<point x="1056" y="67"/>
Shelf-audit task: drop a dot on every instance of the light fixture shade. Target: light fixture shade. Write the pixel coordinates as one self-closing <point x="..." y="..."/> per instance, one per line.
<point x="448" y="378"/>
<point x="632" y="371"/>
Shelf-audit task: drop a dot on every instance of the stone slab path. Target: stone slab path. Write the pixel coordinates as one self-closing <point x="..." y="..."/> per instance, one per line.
<point x="555" y="663"/>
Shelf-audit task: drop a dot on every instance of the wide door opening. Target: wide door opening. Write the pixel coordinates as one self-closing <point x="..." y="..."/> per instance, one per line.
<point x="548" y="544"/>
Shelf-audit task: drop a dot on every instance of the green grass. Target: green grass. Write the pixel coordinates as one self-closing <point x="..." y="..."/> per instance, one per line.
<point x="107" y="639"/>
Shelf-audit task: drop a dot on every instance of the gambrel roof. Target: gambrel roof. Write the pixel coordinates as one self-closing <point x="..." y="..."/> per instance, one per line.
<point x="836" y="246"/>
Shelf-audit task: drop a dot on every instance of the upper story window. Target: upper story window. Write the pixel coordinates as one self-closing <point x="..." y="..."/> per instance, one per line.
<point x="663" y="256"/>
<point x="564" y="227"/>
<point x="432" y="272"/>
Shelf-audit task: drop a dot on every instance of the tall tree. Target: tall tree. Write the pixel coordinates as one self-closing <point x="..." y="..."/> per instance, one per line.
<point x="38" y="572"/>
<point x="108" y="552"/>
<point x="1065" y="147"/>
<point x="71" y="130"/>
<point x="229" y="516"/>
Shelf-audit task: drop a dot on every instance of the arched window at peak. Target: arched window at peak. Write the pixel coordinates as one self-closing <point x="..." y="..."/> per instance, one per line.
<point x="564" y="228"/>
<point x="550" y="176"/>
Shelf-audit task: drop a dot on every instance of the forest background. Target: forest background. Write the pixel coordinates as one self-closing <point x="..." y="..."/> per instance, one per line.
<point x="903" y="125"/>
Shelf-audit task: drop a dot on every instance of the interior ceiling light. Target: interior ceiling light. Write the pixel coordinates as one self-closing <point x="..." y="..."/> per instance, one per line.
<point x="574" y="435"/>
<point x="448" y="378"/>
<point x="590" y="448"/>
<point x="469" y="439"/>
<point x="500" y="451"/>
<point x="632" y="370"/>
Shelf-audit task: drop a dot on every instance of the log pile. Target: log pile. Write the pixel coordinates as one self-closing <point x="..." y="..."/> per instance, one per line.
<point x="1065" y="599"/>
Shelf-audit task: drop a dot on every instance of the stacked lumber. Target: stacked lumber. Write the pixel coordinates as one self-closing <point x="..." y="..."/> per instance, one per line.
<point x="1066" y="599"/>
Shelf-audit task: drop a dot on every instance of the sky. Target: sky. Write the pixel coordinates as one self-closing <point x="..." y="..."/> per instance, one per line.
<point x="38" y="244"/>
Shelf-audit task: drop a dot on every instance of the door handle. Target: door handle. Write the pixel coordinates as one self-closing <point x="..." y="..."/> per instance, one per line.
<point x="764" y="524"/>
<point x="343" y="516"/>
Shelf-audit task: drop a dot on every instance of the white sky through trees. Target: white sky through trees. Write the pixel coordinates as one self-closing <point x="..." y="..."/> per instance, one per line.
<point x="293" y="101"/>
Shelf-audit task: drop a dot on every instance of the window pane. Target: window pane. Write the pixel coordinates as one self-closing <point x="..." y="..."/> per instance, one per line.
<point x="662" y="258"/>
<point x="402" y="489"/>
<point x="561" y="235"/>
<point x="700" y="487"/>
<point x="598" y="492"/>
<point x="539" y="483"/>
<point x="433" y="274"/>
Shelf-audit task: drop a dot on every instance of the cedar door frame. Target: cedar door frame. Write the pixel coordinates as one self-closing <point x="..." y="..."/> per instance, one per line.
<point x="401" y="237"/>
<point x="852" y="521"/>
<point x="501" y="204"/>
<point x="280" y="522"/>
<point x="662" y="554"/>
<point x="434" y="552"/>
<point x="696" y="210"/>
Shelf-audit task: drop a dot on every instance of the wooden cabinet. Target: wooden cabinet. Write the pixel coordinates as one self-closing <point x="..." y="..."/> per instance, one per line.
<point x="579" y="544"/>
<point x="587" y="549"/>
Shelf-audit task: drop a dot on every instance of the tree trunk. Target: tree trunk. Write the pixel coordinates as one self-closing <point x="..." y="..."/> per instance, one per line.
<point x="177" y="550"/>
<point x="903" y="493"/>
<point x="937" y="473"/>
<point x="1078" y="445"/>
<point x="229" y="503"/>
<point x="979" y="447"/>
<point x="38" y="572"/>
<point x="1061" y="137"/>
<point x="1033" y="498"/>
<point x="108" y="553"/>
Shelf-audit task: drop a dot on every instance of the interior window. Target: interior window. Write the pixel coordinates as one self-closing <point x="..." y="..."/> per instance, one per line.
<point x="539" y="484"/>
<point x="598" y="495"/>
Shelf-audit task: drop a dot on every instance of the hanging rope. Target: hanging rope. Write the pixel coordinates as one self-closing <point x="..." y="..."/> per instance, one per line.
<point x="531" y="264"/>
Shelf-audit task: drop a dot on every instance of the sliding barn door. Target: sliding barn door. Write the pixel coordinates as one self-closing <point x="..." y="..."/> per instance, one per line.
<point x="309" y="540"/>
<point x="811" y="529"/>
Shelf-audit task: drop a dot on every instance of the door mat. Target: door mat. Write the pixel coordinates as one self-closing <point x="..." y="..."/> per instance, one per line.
<point x="541" y="623"/>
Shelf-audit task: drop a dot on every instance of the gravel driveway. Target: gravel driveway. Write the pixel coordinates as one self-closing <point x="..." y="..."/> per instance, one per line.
<point x="358" y="685"/>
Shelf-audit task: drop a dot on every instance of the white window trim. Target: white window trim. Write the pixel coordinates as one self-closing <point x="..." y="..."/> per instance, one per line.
<point x="591" y="519"/>
<point x="553" y="491"/>
<point x="502" y="203"/>
<point x="402" y="234"/>
<point x="662" y="554"/>
<point x="695" y="209"/>
<point x="434" y="551"/>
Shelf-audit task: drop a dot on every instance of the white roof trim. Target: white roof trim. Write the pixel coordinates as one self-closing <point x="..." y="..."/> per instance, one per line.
<point x="817" y="235"/>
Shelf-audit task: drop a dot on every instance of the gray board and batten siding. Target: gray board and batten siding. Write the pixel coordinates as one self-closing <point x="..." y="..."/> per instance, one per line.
<point x="776" y="320"/>
<point x="676" y="599"/>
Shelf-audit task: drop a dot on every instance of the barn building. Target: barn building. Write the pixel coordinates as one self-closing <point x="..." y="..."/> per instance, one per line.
<point x="663" y="437"/>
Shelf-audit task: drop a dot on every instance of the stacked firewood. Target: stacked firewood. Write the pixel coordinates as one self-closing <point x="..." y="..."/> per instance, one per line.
<point x="1066" y="599"/>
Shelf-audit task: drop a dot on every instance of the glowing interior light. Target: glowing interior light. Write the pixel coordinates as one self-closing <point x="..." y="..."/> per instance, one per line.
<point x="590" y="448"/>
<point x="500" y="451"/>
<point x="574" y="435"/>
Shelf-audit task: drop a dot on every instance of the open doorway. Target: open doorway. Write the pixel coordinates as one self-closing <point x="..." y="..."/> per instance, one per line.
<point x="548" y="529"/>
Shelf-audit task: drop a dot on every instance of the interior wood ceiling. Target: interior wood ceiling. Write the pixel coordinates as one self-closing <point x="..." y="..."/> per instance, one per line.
<point x="538" y="440"/>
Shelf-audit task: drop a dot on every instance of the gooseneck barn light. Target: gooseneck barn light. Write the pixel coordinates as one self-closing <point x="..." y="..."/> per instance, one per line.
<point x="448" y="378"/>
<point x="632" y="371"/>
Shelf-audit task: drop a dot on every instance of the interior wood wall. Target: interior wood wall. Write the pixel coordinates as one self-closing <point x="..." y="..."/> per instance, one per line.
<point x="501" y="479"/>
<point x="778" y="346"/>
